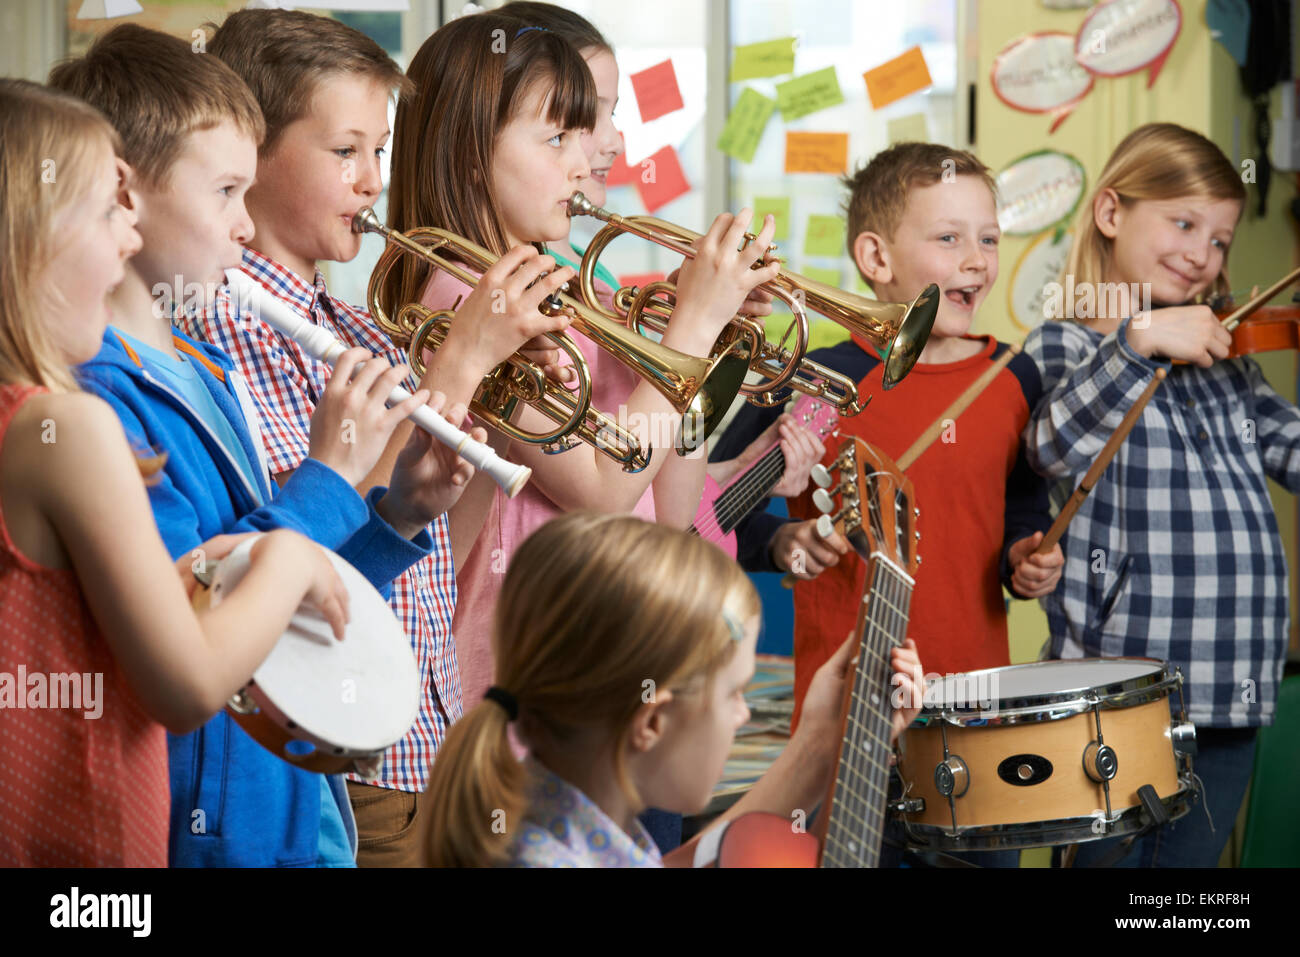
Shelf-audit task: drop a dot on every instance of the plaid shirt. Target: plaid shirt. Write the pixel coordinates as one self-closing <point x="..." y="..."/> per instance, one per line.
<point x="1175" y="554"/>
<point x="286" y="383"/>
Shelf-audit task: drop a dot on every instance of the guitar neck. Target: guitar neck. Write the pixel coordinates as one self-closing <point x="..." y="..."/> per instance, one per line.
<point x="745" y="491"/>
<point x="856" y="808"/>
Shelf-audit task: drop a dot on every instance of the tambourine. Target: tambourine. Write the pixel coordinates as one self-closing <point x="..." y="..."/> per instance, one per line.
<point x="319" y="703"/>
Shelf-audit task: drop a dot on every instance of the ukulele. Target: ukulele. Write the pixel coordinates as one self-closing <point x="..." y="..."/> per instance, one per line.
<point x="878" y="517"/>
<point x="721" y="509"/>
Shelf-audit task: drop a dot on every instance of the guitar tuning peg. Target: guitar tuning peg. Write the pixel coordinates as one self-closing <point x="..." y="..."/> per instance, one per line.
<point x="916" y="511"/>
<point x="825" y="527"/>
<point x="823" y="501"/>
<point x="820" y="475"/>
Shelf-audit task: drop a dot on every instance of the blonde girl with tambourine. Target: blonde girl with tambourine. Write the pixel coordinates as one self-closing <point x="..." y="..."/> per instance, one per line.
<point x="100" y="651"/>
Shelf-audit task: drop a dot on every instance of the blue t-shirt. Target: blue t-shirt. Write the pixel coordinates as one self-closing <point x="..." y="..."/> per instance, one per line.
<point x="178" y="373"/>
<point x="334" y="850"/>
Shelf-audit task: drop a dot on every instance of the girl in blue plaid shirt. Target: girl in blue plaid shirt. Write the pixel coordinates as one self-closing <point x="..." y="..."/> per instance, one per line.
<point x="1176" y="553"/>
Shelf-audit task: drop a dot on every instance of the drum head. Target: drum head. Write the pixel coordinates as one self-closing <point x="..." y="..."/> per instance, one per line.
<point x="357" y="696"/>
<point x="1040" y="684"/>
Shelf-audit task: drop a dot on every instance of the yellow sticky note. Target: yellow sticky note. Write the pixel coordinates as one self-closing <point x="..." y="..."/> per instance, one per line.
<point x="769" y="58"/>
<point x="830" y="277"/>
<point x="913" y="128"/>
<point x="816" y="152"/>
<point x="745" y="125"/>
<point x="825" y="236"/>
<point x="808" y="94"/>
<point x="898" y="78"/>
<point x="778" y="206"/>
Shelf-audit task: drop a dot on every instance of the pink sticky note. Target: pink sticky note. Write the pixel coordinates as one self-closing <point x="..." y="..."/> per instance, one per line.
<point x="661" y="179"/>
<point x="656" y="91"/>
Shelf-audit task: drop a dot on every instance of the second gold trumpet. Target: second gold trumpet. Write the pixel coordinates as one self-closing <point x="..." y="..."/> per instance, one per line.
<point x="898" y="329"/>
<point x="700" y="389"/>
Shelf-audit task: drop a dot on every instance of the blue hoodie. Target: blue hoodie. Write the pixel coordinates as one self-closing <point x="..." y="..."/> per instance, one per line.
<point x="235" y="804"/>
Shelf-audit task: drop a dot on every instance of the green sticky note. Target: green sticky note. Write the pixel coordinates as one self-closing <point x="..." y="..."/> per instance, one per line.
<point x="830" y="277"/>
<point x="912" y="128"/>
<point x="778" y="206"/>
<point x="770" y="58"/>
<point x="808" y="94"/>
<point x="745" y="125"/>
<point x="825" y="236"/>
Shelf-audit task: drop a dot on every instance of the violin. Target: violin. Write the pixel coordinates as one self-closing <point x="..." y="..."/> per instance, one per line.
<point x="1268" y="329"/>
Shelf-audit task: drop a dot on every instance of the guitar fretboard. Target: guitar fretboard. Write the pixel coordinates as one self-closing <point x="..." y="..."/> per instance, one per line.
<point x="736" y="501"/>
<point x="857" y="812"/>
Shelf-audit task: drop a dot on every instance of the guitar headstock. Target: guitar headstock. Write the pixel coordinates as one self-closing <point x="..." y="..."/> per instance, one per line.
<point x="816" y="416"/>
<point x="870" y="502"/>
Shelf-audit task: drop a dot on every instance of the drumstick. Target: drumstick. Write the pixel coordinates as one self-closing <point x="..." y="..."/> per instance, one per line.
<point x="249" y="294"/>
<point x="958" y="406"/>
<point x="1094" y="473"/>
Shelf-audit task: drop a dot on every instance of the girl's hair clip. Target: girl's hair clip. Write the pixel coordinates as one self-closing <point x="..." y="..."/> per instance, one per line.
<point x="524" y="30"/>
<point x="733" y="625"/>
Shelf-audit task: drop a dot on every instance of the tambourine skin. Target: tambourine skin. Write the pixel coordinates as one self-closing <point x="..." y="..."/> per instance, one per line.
<point x="319" y="703"/>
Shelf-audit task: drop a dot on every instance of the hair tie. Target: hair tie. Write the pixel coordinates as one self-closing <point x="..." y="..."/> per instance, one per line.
<point x="524" y="30"/>
<point x="505" y="699"/>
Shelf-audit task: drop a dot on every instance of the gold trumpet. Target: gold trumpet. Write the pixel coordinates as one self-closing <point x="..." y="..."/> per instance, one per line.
<point x="700" y="390"/>
<point x="898" y="329"/>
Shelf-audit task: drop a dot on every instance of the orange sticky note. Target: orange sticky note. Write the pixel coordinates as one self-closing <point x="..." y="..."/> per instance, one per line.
<point x="898" y="78"/>
<point x="656" y="91"/>
<point x="816" y="152"/>
<point x="661" y="179"/>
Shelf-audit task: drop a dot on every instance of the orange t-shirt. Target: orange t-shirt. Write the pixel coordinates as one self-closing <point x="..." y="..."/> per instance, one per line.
<point x="83" y="769"/>
<point x="961" y="484"/>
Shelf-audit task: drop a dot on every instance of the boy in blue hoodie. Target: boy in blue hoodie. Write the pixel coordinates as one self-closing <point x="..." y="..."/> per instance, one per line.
<point x="190" y="128"/>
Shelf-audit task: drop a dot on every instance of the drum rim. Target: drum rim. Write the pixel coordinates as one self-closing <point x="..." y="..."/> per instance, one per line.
<point x="1048" y="833"/>
<point x="1056" y="705"/>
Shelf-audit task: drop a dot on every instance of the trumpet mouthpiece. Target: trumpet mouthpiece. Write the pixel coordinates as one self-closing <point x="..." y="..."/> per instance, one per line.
<point x="579" y="205"/>
<point x="365" y="221"/>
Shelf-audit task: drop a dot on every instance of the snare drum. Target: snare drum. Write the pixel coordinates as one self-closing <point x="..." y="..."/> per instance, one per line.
<point x="317" y="702"/>
<point x="1047" y="753"/>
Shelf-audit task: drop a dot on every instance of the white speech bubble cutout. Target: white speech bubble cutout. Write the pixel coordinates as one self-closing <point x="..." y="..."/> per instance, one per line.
<point x="1120" y="37"/>
<point x="1042" y="263"/>
<point x="1039" y="74"/>
<point x="1039" y="190"/>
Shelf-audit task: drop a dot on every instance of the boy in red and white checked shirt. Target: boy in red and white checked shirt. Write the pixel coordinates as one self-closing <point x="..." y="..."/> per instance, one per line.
<point x="324" y="89"/>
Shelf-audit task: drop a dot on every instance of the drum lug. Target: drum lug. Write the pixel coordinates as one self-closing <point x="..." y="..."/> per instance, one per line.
<point x="1100" y="762"/>
<point x="952" y="778"/>
<point x="1184" y="738"/>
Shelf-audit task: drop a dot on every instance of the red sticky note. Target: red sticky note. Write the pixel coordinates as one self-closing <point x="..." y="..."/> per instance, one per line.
<point x="656" y="91"/>
<point x="620" y="174"/>
<point x="640" y="279"/>
<point x="660" y="179"/>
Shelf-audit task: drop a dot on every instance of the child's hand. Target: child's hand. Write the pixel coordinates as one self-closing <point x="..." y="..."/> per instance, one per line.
<point x="820" y="719"/>
<point x="797" y="548"/>
<point x="325" y="590"/>
<point x="503" y="312"/>
<point x="1190" y="333"/>
<point x="1034" y="575"/>
<point x="352" y="424"/>
<point x="428" y="477"/>
<point x="712" y="285"/>
<point x="802" y="450"/>
<point x="757" y="305"/>
<point x="213" y="550"/>
<point x="907" y="687"/>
